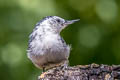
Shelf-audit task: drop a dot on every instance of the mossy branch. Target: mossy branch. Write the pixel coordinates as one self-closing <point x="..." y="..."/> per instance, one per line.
<point x="83" y="72"/>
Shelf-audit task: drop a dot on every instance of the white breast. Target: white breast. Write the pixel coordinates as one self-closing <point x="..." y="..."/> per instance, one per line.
<point x="50" y="39"/>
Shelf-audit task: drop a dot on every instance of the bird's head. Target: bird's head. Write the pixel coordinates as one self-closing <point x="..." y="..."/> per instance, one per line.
<point x="57" y="23"/>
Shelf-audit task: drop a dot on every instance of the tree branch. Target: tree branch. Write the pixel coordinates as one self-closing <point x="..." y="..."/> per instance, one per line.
<point x="83" y="72"/>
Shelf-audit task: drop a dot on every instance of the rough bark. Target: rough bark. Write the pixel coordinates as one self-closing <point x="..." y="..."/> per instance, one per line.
<point x="83" y="72"/>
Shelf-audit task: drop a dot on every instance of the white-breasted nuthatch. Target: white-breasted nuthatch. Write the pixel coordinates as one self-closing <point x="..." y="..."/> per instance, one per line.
<point x="46" y="47"/>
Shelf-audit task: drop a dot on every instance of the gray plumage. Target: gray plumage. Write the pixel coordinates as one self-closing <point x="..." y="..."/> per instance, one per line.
<point x="46" y="47"/>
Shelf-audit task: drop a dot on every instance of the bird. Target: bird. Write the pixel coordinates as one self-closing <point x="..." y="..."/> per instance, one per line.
<point x="46" y="48"/>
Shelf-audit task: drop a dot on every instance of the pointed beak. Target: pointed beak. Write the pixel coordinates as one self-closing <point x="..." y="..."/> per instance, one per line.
<point x="67" y="22"/>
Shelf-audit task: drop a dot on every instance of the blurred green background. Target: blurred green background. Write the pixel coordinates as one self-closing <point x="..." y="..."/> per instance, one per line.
<point x="94" y="39"/>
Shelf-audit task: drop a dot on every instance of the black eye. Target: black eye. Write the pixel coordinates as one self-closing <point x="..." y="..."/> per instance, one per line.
<point x="58" y="20"/>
